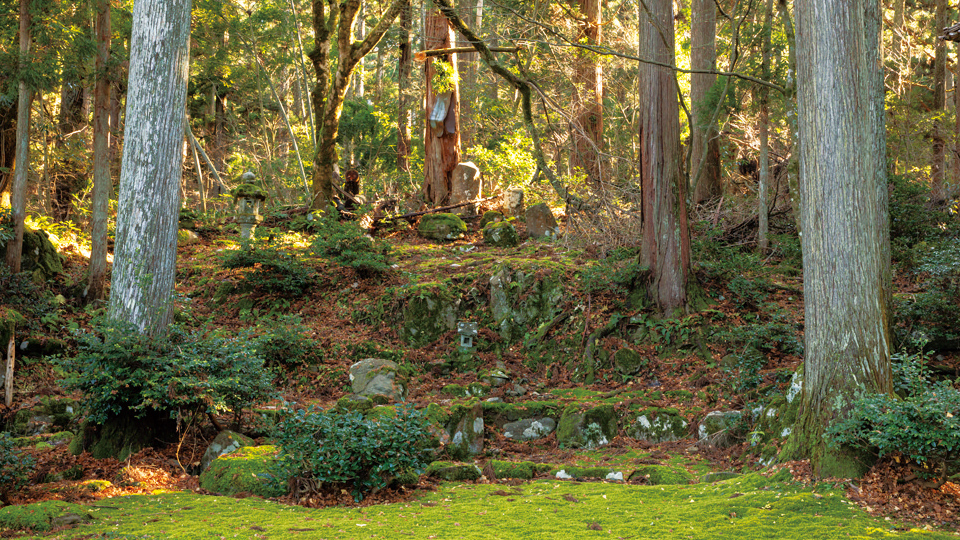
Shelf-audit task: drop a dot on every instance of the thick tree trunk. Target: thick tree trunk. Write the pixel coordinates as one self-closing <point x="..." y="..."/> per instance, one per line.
<point x="149" y="203"/>
<point x="18" y="191"/>
<point x="705" y="141"/>
<point x="441" y="138"/>
<point x="403" y="81"/>
<point x="102" y="184"/>
<point x="587" y="128"/>
<point x="938" y="167"/>
<point x="665" y="247"/>
<point x="846" y="244"/>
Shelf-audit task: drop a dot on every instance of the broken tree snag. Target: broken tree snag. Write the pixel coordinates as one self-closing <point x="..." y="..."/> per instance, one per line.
<point x="442" y="129"/>
<point x="8" y="379"/>
<point x="422" y="56"/>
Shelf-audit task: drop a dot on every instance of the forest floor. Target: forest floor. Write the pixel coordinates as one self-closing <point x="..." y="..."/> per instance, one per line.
<point x="329" y="313"/>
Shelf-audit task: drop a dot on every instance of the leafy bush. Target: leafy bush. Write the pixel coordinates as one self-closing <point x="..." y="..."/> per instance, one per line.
<point x="15" y="467"/>
<point x="118" y="369"/>
<point x="282" y="342"/>
<point x="509" y="159"/>
<point x="347" y="244"/>
<point x="749" y="292"/>
<point x="346" y="449"/>
<point x="752" y="343"/>
<point x="274" y="271"/>
<point x="19" y="293"/>
<point x="923" y="427"/>
<point x="911" y="221"/>
<point x="931" y="315"/>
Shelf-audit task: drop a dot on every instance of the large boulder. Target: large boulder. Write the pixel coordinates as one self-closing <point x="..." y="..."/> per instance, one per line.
<point x="501" y="234"/>
<point x="430" y="311"/>
<point x="587" y="428"/>
<point x="529" y="429"/>
<point x="541" y="223"/>
<point x="251" y="469"/>
<point x="376" y="377"/>
<point x="465" y="185"/>
<point x="658" y="425"/>
<point x="441" y="226"/>
<point x="225" y="442"/>
<point x="39" y="255"/>
<point x="466" y="433"/>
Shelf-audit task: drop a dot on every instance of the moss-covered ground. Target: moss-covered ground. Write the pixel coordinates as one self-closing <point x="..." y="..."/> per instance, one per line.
<point x="751" y="506"/>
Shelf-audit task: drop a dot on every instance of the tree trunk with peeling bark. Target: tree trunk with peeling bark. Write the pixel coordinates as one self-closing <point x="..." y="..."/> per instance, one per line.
<point x="846" y="242"/>
<point x="441" y="139"/>
<point x="705" y="140"/>
<point x="149" y="202"/>
<point x="665" y="246"/>
<point x="587" y="128"/>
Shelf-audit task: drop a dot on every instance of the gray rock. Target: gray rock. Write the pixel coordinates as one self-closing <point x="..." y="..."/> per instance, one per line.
<point x="719" y="428"/>
<point x="661" y="427"/>
<point x="466" y="438"/>
<point x="529" y="429"/>
<point x="376" y="377"/>
<point x="465" y="186"/>
<point x="501" y="234"/>
<point x="513" y="202"/>
<point x="226" y="441"/>
<point x="541" y="223"/>
<point x="441" y="226"/>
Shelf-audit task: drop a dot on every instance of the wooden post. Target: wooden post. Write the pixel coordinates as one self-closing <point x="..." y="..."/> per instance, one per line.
<point x="8" y="379"/>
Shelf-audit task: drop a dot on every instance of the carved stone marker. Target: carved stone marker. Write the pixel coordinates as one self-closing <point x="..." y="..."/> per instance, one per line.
<point x="465" y="186"/>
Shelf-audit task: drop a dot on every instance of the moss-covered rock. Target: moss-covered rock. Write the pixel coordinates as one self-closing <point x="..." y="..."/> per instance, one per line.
<point x="587" y="428"/>
<point x="524" y="470"/>
<point x="657" y="425"/>
<point x="250" y="469"/>
<point x="522" y="297"/>
<point x="662" y="475"/>
<point x="443" y="226"/>
<point x="43" y="516"/>
<point x="490" y="216"/>
<point x="466" y="432"/>
<point x="39" y="255"/>
<point x="721" y="429"/>
<point x="430" y="310"/>
<point x="529" y="429"/>
<point x="451" y="471"/>
<point x="501" y="234"/>
<point x="629" y="361"/>
<point x="474" y="389"/>
<point x="224" y="443"/>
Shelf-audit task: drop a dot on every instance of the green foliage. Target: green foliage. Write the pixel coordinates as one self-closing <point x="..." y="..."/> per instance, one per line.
<point x="910" y="372"/>
<point x="507" y="161"/>
<point x="274" y="271"/>
<point x="347" y="244"/>
<point x="444" y="76"/>
<point x="752" y="344"/>
<point x="282" y="343"/>
<point x="117" y="370"/>
<point x="931" y="314"/>
<point x="924" y="427"/>
<point x="15" y="466"/>
<point x="911" y="220"/>
<point x="748" y="293"/>
<point x="19" y="293"/>
<point x="347" y="449"/>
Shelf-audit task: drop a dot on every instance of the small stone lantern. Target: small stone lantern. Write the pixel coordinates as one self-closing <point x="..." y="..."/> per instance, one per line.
<point x="467" y="331"/>
<point x="249" y="198"/>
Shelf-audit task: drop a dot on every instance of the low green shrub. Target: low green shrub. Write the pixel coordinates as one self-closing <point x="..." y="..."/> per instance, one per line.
<point x="347" y="244"/>
<point x="931" y="314"/>
<point x="15" y="467"/>
<point x="923" y="426"/>
<point x="119" y="370"/>
<point x="364" y="455"/>
<point x="274" y="271"/>
<point x="282" y="342"/>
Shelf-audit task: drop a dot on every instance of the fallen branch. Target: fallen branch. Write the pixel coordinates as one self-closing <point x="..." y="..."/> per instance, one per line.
<point x="421" y="56"/>
<point x="441" y="209"/>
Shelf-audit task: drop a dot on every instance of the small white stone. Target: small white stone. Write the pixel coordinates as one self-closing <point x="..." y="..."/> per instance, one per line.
<point x="562" y="475"/>
<point x="618" y="476"/>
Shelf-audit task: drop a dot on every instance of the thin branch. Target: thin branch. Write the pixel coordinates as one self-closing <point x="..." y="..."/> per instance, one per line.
<point x="421" y="56"/>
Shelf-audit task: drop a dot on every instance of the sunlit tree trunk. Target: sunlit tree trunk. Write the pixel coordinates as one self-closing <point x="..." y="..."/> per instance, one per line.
<point x="18" y="191"/>
<point x="846" y="243"/>
<point x="441" y="139"/>
<point x="665" y="247"/>
<point x="403" y="82"/>
<point x="938" y="167"/>
<point x="705" y="141"/>
<point x="102" y="184"/>
<point x="149" y="202"/>
<point x="587" y="128"/>
<point x="762" y="195"/>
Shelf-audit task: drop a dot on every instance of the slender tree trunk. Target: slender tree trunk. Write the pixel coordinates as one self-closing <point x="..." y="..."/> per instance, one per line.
<point x="665" y="246"/>
<point x="69" y="173"/>
<point x="587" y="128"/>
<point x="703" y="135"/>
<point x="793" y="163"/>
<point x="149" y="203"/>
<point x="846" y="243"/>
<point x="956" y="124"/>
<point x="8" y="150"/>
<point x="938" y="167"/>
<point x="18" y="192"/>
<point x="441" y="138"/>
<point x="762" y="210"/>
<point x="403" y="82"/>
<point x="102" y="184"/>
<point x="899" y="6"/>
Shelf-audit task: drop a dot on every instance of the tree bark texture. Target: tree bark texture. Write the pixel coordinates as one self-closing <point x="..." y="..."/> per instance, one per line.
<point x="762" y="193"/>
<point x="665" y="246"/>
<point x="846" y="244"/>
<point x="404" y="68"/>
<point x="18" y="191"/>
<point x="441" y="138"/>
<point x="328" y="21"/>
<point x="102" y="184"/>
<point x="149" y="201"/>
<point x="938" y="167"/>
<point x="587" y="128"/>
<point x="705" y="140"/>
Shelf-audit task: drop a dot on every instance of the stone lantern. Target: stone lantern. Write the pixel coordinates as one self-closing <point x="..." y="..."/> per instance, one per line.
<point x="249" y="198"/>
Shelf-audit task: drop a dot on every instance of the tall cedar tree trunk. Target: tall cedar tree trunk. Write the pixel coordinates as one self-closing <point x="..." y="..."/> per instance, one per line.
<point x="337" y="19"/>
<point x="665" y="247"/>
<point x="793" y="163"/>
<point x="403" y="82"/>
<point x="705" y="179"/>
<point x="149" y="202"/>
<point x="18" y="191"/>
<point x="587" y="128"/>
<point x="938" y="167"/>
<point x="763" y="242"/>
<point x="846" y="242"/>
<point x="102" y="184"/>
<point x="69" y="171"/>
<point x="441" y="137"/>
